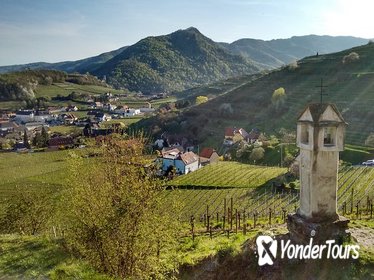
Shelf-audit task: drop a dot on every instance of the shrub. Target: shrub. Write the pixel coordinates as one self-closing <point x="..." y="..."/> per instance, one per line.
<point x="278" y="98"/>
<point x="114" y="215"/>
<point x="353" y="56"/>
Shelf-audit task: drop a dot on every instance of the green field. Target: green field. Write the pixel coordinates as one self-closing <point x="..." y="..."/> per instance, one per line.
<point x="43" y="169"/>
<point x="63" y="129"/>
<point x="66" y="88"/>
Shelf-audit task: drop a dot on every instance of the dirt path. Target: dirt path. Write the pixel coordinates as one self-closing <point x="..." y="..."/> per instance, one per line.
<point x="364" y="236"/>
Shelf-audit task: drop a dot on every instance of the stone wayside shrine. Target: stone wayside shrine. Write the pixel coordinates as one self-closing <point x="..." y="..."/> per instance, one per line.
<point x="320" y="137"/>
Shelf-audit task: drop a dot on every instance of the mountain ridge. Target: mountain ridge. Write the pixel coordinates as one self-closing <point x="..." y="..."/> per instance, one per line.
<point x="186" y="58"/>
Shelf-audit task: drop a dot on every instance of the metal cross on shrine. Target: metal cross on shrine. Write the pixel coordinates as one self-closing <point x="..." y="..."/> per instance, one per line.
<point x="321" y="86"/>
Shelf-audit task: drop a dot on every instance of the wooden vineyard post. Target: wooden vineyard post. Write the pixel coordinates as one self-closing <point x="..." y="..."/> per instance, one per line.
<point x="244" y="218"/>
<point x="217" y="219"/>
<point x="228" y="233"/>
<point x="357" y="210"/>
<point x="210" y="232"/>
<point x="244" y="228"/>
<point x="254" y="219"/>
<point x="284" y="211"/>
<point x="192" y="222"/>
<point x="224" y="207"/>
<point x="269" y="216"/>
<point x="231" y="211"/>
<point x="371" y="210"/>
<point x="344" y="208"/>
<point x="239" y="220"/>
<point x="208" y="218"/>
<point x="352" y="191"/>
<point x="208" y="223"/>
<point x="236" y="220"/>
<point x="228" y="217"/>
<point x="224" y="222"/>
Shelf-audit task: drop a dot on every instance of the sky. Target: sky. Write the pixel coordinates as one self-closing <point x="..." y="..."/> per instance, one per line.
<point x="59" y="30"/>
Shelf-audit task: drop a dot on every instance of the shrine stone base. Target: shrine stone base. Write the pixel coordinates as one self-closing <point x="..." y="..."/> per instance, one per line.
<point x="302" y="229"/>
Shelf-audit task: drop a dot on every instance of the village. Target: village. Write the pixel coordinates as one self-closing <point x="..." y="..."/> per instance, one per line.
<point x="26" y="131"/>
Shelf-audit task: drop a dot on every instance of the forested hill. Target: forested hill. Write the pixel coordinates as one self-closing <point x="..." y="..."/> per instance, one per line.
<point x="180" y="60"/>
<point x="275" y="53"/>
<point x="22" y="85"/>
<point x="81" y="66"/>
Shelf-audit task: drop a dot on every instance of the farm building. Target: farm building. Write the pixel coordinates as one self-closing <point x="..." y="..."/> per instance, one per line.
<point x="60" y="142"/>
<point x="182" y="162"/>
<point x="208" y="155"/>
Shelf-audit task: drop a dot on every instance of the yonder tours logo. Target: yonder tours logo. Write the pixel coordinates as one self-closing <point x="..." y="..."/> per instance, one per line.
<point x="267" y="250"/>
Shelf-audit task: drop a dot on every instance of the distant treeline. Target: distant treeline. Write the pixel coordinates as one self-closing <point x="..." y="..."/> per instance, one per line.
<point x="21" y="85"/>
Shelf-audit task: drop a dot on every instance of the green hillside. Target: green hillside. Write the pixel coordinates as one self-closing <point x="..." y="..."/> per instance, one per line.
<point x="275" y="53"/>
<point x="82" y="66"/>
<point x="180" y="60"/>
<point x="29" y="84"/>
<point x="349" y="85"/>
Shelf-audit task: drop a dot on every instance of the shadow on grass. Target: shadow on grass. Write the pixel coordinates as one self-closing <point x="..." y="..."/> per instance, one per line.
<point x="37" y="257"/>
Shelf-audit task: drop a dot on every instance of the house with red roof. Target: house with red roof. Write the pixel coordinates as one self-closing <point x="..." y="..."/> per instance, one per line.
<point x="208" y="155"/>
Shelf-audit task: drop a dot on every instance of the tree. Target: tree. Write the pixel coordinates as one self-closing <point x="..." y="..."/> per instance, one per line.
<point x="114" y="214"/>
<point x="278" y="98"/>
<point x="257" y="154"/>
<point x="353" y="56"/>
<point x="201" y="99"/>
<point x="226" y="109"/>
<point x="44" y="136"/>
<point x="26" y="139"/>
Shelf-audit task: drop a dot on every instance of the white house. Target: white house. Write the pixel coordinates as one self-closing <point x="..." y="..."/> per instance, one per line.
<point x="132" y="112"/>
<point x="183" y="162"/>
<point x="42" y="116"/>
<point x="25" y="116"/>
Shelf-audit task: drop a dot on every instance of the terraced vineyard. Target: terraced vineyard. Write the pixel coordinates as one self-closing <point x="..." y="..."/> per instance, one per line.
<point x="229" y="174"/>
<point x="355" y="185"/>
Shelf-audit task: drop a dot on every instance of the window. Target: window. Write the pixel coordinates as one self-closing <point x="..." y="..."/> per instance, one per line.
<point x="304" y="134"/>
<point x="329" y="136"/>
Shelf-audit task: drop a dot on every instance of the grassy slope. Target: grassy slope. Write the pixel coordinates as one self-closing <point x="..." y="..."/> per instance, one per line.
<point x="31" y="170"/>
<point x="36" y="257"/>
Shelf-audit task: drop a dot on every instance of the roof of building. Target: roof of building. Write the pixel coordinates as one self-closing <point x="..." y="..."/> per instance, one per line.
<point x="243" y="133"/>
<point x="7" y="124"/>
<point x="229" y="131"/>
<point x="170" y="153"/>
<point x="60" y="141"/>
<point x="317" y="109"/>
<point x="25" y="112"/>
<point x="207" y="152"/>
<point x="189" y="157"/>
<point x="254" y="134"/>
